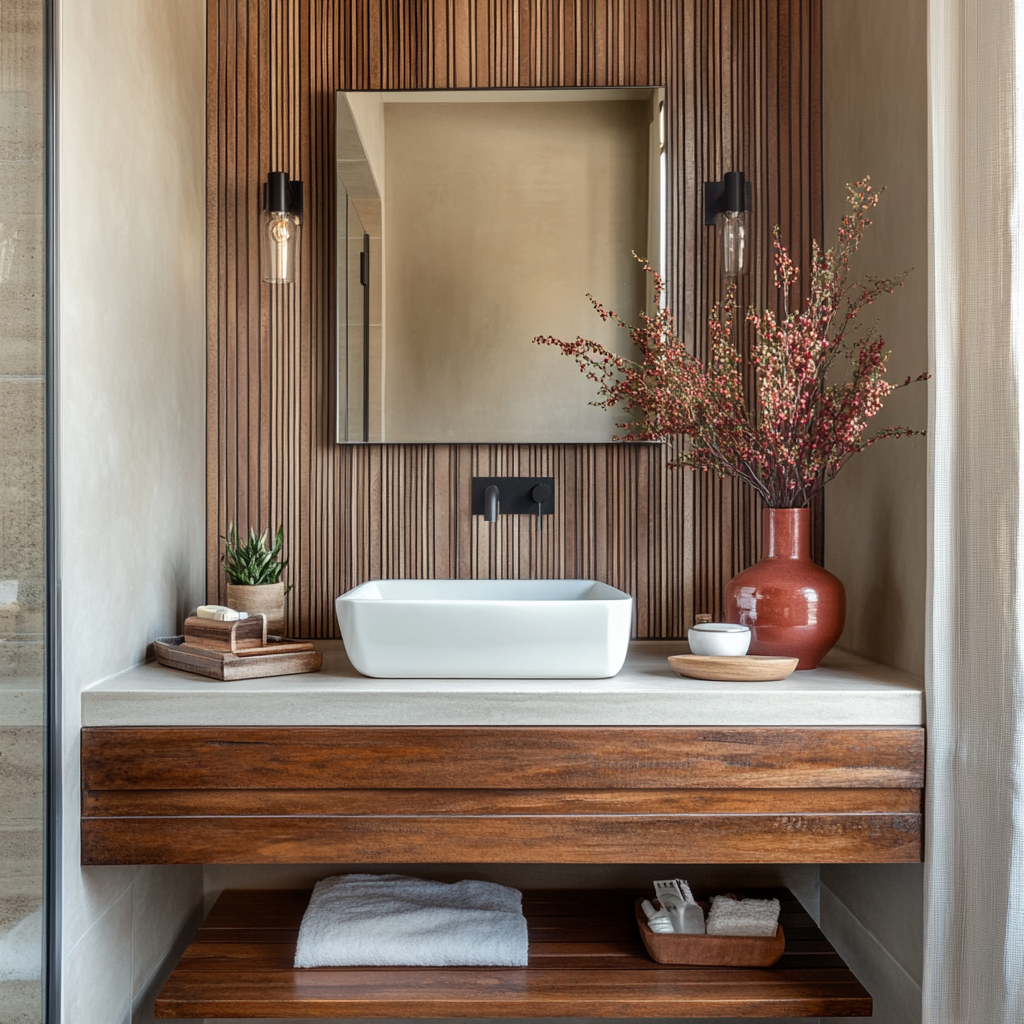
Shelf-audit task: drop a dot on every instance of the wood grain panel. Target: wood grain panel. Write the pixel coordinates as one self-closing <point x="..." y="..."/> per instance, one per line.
<point x="240" y="965"/>
<point x="743" y="92"/>
<point x="418" y="802"/>
<point x="532" y="795"/>
<point x="506" y="757"/>
<point x="816" y="838"/>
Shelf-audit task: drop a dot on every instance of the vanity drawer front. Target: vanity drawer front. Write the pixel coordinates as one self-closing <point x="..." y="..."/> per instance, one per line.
<point x="522" y="794"/>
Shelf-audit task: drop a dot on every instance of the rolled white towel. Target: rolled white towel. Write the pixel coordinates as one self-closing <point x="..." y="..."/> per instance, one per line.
<point x="743" y="917"/>
<point x="397" y="921"/>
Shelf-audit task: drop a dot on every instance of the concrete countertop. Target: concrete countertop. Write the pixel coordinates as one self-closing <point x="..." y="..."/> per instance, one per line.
<point x="845" y="690"/>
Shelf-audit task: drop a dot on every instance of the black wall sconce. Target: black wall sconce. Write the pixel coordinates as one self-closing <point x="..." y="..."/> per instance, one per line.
<point x="280" y="225"/>
<point x="726" y="204"/>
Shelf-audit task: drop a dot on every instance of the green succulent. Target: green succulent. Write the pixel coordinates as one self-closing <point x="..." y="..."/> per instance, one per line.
<point x="253" y="563"/>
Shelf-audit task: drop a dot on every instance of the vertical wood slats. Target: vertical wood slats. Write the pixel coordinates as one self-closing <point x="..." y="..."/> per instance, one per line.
<point x="743" y="92"/>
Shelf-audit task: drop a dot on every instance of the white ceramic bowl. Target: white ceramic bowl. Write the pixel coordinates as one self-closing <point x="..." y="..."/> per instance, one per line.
<point x="721" y="639"/>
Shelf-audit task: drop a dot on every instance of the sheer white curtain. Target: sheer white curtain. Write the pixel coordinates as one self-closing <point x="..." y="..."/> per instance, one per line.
<point x="974" y="928"/>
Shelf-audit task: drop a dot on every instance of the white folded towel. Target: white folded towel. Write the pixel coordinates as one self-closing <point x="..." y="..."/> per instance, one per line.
<point x="743" y="917"/>
<point x="397" y="921"/>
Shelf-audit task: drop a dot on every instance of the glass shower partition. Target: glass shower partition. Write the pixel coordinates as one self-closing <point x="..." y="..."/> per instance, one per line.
<point x="23" y="507"/>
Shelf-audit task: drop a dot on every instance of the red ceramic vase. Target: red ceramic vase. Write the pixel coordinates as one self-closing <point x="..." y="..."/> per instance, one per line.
<point x="792" y="605"/>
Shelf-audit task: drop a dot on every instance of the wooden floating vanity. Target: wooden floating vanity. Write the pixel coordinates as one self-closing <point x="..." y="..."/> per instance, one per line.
<point x="351" y="770"/>
<point x="825" y="767"/>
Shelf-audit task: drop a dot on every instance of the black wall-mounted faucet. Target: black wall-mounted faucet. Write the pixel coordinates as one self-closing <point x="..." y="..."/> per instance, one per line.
<point x="513" y="496"/>
<point x="492" y="498"/>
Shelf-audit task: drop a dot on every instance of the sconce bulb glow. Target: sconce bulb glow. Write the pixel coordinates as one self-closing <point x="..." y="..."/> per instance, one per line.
<point x="279" y="233"/>
<point x="734" y="243"/>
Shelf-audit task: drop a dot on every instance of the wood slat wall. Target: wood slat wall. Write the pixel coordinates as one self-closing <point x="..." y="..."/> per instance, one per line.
<point x="743" y="92"/>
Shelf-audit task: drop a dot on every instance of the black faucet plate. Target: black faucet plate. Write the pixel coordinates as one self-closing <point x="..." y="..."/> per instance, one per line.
<point x="515" y="495"/>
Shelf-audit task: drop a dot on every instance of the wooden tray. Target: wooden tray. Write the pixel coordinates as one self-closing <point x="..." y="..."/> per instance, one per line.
<point x="278" y="658"/>
<point x="752" y="668"/>
<point x="710" y="950"/>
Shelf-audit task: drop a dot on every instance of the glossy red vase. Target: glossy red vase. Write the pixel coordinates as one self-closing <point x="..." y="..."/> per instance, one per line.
<point x="792" y="605"/>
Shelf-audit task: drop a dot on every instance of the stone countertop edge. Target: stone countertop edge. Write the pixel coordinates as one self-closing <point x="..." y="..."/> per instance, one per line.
<point x="846" y="690"/>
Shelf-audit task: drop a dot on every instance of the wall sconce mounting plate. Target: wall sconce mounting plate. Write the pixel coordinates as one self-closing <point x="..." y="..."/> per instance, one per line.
<point x="733" y="194"/>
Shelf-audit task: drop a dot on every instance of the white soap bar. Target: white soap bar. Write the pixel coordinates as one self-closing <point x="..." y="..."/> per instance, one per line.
<point x="220" y="613"/>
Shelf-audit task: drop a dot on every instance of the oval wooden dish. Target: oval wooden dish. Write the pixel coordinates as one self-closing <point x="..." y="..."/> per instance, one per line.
<point x="751" y="668"/>
<point x="711" y="950"/>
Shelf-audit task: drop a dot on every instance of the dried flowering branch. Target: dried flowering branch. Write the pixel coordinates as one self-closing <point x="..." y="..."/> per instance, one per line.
<point x="806" y="421"/>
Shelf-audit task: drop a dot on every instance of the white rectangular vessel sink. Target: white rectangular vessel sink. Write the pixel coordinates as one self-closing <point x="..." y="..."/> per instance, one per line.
<point x="486" y="629"/>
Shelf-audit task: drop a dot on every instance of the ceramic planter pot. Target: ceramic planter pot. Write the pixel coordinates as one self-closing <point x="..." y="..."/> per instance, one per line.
<point x="793" y="606"/>
<point x="266" y="599"/>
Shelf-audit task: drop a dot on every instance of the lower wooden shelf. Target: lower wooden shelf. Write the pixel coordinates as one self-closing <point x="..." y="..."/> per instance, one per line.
<point x="586" y="960"/>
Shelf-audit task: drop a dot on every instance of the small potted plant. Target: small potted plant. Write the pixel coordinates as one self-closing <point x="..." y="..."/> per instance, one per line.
<point x="785" y="419"/>
<point x="253" y="570"/>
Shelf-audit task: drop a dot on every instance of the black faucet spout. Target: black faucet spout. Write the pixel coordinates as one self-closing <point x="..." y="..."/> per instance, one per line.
<point x="491" y="496"/>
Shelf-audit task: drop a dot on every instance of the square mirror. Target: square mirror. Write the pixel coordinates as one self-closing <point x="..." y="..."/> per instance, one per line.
<point x="470" y="221"/>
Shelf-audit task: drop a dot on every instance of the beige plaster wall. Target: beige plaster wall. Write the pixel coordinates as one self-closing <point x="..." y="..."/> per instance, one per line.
<point x="500" y="219"/>
<point x="875" y="123"/>
<point x="131" y="350"/>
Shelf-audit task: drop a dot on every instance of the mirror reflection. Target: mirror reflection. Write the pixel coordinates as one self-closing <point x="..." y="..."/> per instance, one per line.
<point x="468" y="223"/>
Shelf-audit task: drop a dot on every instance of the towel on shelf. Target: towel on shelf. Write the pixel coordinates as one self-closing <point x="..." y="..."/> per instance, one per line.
<point x="398" y="921"/>
<point x="730" y="916"/>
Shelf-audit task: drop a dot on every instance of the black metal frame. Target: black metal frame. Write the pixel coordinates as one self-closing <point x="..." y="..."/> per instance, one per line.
<point x="364" y="280"/>
<point x="54" y="810"/>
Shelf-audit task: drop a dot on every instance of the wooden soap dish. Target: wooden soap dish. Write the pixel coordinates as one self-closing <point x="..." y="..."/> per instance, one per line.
<point x="711" y="950"/>
<point x="751" y="668"/>
<point x="235" y="650"/>
<point x="214" y="635"/>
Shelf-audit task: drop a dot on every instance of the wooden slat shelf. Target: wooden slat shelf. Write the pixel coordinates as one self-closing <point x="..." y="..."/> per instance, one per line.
<point x="240" y="965"/>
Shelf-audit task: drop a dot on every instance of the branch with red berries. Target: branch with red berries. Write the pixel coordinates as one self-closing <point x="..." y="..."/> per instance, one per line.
<point x="820" y="376"/>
